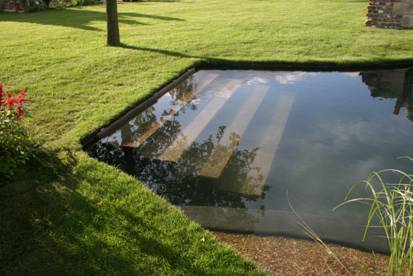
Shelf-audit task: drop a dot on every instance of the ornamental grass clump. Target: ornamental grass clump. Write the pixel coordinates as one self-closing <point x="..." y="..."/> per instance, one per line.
<point x="14" y="141"/>
<point x="391" y="208"/>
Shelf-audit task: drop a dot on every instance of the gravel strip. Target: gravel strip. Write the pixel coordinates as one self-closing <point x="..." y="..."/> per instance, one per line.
<point x="285" y="256"/>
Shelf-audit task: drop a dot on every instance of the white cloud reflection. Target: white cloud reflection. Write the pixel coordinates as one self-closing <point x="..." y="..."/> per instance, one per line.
<point x="283" y="78"/>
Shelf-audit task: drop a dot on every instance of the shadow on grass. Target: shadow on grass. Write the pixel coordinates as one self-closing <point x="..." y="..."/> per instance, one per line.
<point x="79" y="18"/>
<point x="208" y="62"/>
<point x="47" y="227"/>
<point x="164" y="52"/>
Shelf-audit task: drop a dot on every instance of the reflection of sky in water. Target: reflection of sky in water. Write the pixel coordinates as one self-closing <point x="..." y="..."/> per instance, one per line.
<point x="252" y="78"/>
<point x="327" y="131"/>
<point x="335" y="136"/>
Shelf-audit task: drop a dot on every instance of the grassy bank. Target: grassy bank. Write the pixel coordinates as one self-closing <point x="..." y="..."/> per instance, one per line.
<point x="67" y="213"/>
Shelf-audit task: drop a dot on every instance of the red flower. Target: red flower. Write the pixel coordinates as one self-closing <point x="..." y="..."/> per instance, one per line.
<point x="10" y="100"/>
<point x="19" y="111"/>
<point x="21" y="97"/>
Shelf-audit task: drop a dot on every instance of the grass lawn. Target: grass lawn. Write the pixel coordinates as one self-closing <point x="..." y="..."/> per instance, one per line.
<point x="66" y="213"/>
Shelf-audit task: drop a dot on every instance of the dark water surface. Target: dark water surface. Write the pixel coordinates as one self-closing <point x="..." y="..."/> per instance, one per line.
<point x="237" y="150"/>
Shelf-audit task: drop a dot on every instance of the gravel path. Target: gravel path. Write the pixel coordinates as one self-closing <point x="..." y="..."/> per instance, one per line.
<point x="285" y="256"/>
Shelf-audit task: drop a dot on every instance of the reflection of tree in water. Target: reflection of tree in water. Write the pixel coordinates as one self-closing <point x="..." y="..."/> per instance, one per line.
<point x="110" y="153"/>
<point x="241" y="173"/>
<point x="185" y="92"/>
<point x="147" y="122"/>
<point x="139" y="125"/>
<point x="392" y="84"/>
<point x="164" y="137"/>
<point x="180" y="182"/>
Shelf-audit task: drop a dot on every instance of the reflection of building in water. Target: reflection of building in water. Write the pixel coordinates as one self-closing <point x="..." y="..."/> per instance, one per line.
<point x="397" y="84"/>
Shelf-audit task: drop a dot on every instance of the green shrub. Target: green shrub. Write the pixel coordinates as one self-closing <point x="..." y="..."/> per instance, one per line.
<point x="35" y="5"/>
<point x="15" y="146"/>
<point x="70" y="3"/>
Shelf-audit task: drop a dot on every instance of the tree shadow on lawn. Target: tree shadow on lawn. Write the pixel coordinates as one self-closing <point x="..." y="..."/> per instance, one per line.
<point x="165" y="52"/>
<point x="208" y="62"/>
<point x="48" y="227"/>
<point x="79" y="18"/>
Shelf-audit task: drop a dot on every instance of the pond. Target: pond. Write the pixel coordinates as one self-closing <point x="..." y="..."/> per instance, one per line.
<point x="263" y="151"/>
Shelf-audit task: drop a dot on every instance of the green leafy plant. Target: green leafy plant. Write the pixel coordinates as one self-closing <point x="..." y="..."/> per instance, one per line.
<point x="391" y="208"/>
<point x="69" y="3"/>
<point x="15" y="146"/>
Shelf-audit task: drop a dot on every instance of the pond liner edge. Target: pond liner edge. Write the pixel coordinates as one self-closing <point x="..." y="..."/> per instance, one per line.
<point x="218" y="64"/>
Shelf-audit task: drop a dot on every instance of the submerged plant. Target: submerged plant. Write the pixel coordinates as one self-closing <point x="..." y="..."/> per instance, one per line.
<point x="391" y="208"/>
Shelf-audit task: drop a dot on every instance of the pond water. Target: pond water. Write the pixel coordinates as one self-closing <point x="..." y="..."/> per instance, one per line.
<point x="260" y="151"/>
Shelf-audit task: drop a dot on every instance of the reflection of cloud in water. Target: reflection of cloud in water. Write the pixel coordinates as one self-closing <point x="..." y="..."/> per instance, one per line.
<point x="280" y="77"/>
<point x="292" y="77"/>
<point x="344" y="134"/>
<point x="363" y="167"/>
<point x="355" y="75"/>
<point x="340" y="154"/>
<point x="257" y="80"/>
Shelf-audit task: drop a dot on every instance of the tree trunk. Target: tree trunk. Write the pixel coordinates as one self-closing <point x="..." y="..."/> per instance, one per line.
<point x="112" y="21"/>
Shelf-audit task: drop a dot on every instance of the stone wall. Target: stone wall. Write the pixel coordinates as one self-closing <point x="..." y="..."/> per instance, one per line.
<point x="396" y="14"/>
